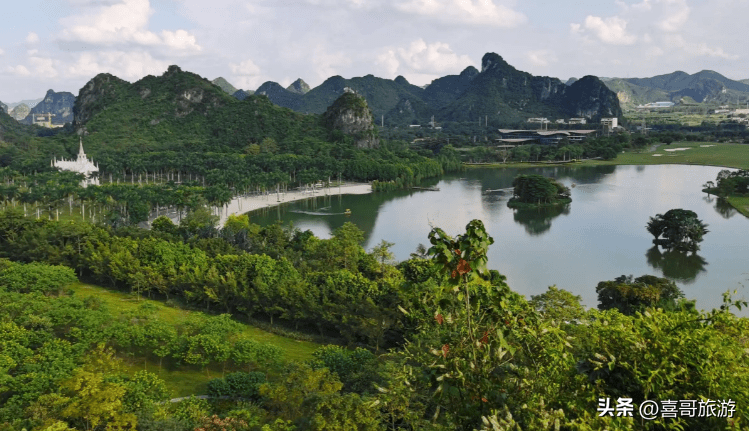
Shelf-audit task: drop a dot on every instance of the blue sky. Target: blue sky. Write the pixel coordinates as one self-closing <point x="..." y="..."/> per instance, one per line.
<point x="61" y="44"/>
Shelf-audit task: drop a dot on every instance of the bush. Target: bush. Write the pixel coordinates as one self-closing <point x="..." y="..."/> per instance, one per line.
<point x="35" y="277"/>
<point x="237" y="385"/>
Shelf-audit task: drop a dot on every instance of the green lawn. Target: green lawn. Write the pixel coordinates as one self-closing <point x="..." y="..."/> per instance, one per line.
<point x="740" y="203"/>
<point x="185" y="381"/>
<point x="697" y="153"/>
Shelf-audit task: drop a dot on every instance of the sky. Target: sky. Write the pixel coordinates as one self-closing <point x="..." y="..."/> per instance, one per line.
<point x="62" y="44"/>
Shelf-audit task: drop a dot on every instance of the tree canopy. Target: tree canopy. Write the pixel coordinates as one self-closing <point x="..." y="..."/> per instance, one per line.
<point x="680" y="229"/>
<point x="538" y="190"/>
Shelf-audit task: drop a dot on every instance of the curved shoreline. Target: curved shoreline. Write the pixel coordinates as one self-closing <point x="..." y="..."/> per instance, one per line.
<point x="244" y="204"/>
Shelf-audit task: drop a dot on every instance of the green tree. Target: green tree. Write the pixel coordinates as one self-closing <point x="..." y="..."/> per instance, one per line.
<point x="680" y="229"/>
<point x="558" y="305"/>
<point x="630" y="296"/>
<point x="536" y="189"/>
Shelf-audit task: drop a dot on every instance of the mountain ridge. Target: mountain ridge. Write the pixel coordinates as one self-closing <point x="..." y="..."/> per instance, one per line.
<point x="702" y="86"/>
<point x="498" y="92"/>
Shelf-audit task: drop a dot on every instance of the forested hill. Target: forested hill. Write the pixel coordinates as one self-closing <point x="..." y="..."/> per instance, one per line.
<point x="182" y="123"/>
<point x="181" y="110"/>
<point x="504" y="94"/>
<point x="500" y="93"/>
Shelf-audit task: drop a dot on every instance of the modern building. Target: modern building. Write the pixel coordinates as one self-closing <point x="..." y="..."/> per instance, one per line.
<point x="523" y="137"/>
<point x="578" y="121"/>
<point x="82" y="165"/>
<point x="609" y="124"/>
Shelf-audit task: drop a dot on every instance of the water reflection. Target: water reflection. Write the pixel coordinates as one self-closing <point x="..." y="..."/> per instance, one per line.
<point x="677" y="265"/>
<point x="724" y="208"/>
<point x="536" y="221"/>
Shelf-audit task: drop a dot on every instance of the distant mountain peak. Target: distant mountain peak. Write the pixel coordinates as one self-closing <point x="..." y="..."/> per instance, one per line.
<point x="401" y="80"/>
<point x="60" y="104"/>
<point x="469" y="72"/>
<point x="492" y="60"/>
<point x="224" y="85"/>
<point x="299" y="87"/>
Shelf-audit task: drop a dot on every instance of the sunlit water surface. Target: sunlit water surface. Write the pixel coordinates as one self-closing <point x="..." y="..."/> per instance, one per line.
<point x="599" y="236"/>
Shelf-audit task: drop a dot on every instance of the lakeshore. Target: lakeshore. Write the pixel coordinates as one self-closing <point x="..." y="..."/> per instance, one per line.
<point x="734" y="156"/>
<point x="244" y="204"/>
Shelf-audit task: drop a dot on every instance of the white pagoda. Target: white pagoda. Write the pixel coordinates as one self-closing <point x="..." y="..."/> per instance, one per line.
<point x="82" y="165"/>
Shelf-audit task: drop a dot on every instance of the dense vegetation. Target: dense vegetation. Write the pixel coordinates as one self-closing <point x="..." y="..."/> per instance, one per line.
<point x="537" y="190"/>
<point x="181" y="127"/>
<point x="464" y="351"/>
<point x="680" y="229"/>
<point x="729" y="183"/>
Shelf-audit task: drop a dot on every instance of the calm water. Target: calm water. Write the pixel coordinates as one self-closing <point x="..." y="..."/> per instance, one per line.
<point x="599" y="236"/>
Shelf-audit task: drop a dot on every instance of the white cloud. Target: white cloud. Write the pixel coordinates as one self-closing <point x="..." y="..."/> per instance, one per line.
<point x="126" y="65"/>
<point x="540" y="58"/>
<point x="19" y="70"/>
<point x="479" y="12"/>
<point x="125" y="23"/>
<point x="2" y="51"/>
<point x="246" y="75"/>
<point x="704" y="50"/>
<point x="676" y="15"/>
<point x="612" y="30"/>
<point x="43" y="67"/>
<point x="420" y="57"/>
<point x="32" y="38"/>
<point x="654" y="51"/>
<point x="327" y="64"/>
<point x="245" y="68"/>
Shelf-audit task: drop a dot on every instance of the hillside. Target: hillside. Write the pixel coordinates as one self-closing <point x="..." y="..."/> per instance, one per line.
<point x="443" y="91"/>
<point x="224" y="85"/>
<point x="280" y="96"/>
<point x="504" y="94"/>
<point x="176" y="110"/>
<point x="19" y="112"/>
<point x="706" y="86"/>
<point x="744" y="81"/>
<point x="382" y="95"/>
<point x="631" y="95"/>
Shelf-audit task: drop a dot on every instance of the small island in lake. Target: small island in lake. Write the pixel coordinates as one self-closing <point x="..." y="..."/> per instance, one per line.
<point x="534" y="191"/>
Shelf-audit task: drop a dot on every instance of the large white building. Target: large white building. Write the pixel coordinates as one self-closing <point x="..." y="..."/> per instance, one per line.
<point x="82" y="165"/>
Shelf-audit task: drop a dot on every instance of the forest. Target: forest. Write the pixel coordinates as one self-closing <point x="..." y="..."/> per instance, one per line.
<point x="436" y="342"/>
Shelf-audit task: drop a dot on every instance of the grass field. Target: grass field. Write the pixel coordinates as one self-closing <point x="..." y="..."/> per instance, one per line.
<point x="740" y="203"/>
<point x="696" y="153"/>
<point x="185" y="381"/>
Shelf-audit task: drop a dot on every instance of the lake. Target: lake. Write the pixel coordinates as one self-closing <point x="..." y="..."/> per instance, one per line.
<point x="599" y="236"/>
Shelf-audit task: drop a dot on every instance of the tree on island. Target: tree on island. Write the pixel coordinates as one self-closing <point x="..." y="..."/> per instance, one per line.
<point x="537" y="190"/>
<point x="630" y="296"/>
<point x="680" y="229"/>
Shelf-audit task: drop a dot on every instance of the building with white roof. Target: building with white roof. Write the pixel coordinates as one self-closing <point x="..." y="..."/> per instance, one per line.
<point x="82" y="165"/>
<point x="522" y="137"/>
